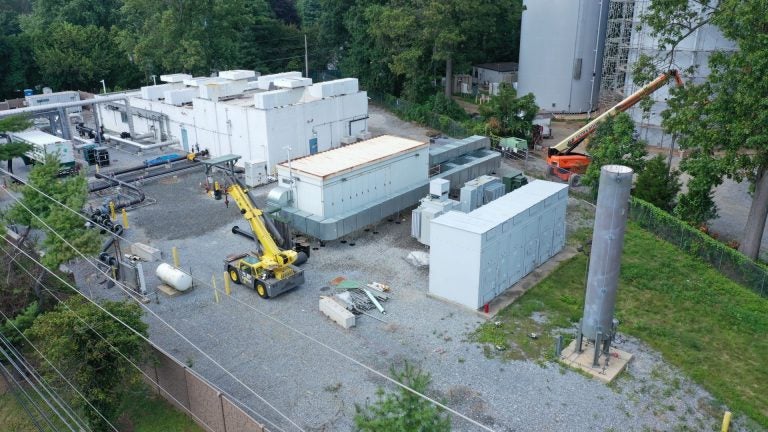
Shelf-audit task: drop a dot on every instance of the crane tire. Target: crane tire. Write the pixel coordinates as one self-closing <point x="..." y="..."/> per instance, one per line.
<point x="261" y="289"/>
<point x="234" y="276"/>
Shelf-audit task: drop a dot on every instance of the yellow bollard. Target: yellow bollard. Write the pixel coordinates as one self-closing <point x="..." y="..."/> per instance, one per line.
<point x="112" y="214"/>
<point x="226" y="284"/>
<point x="215" y="291"/>
<point x="726" y="421"/>
<point x="125" y="218"/>
<point x="175" y="254"/>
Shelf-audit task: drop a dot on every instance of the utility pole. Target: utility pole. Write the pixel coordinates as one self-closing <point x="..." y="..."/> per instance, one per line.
<point x="306" y="58"/>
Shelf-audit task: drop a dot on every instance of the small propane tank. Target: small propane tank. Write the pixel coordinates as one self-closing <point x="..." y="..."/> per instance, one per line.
<point x="173" y="277"/>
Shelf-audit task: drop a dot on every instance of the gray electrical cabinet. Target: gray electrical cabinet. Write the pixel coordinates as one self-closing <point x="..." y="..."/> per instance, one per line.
<point x="476" y="256"/>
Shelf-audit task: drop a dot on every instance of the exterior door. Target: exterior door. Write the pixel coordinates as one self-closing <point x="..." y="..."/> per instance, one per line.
<point x="312" y="146"/>
<point x="184" y="140"/>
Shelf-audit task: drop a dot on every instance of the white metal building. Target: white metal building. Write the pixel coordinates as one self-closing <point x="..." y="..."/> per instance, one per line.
<point x="337" y="181"/>
<point x="264" y="119"/>
<point x="476" y="256"/>
<point x="500" y="72"/>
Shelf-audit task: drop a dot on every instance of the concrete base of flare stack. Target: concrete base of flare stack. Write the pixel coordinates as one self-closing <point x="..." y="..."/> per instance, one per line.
<point x="583" y="361"/>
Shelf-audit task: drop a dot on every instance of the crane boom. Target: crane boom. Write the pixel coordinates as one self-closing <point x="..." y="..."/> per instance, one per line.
<point x="571" y="142"/>
<point x="252" y="214"/>
<point x="271" y="271"/>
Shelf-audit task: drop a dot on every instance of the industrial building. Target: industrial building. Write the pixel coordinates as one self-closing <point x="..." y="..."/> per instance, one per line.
<point x="264" y="119"/>
<point x="561" y="53"/>
<point x="331" y="194"/>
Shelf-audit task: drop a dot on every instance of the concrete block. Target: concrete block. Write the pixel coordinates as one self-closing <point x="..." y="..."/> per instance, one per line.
<point x="146" y="252"/>
<point x="336" y="312"/>
<point x="237" y="74"/>
<point x="583" y="361"/>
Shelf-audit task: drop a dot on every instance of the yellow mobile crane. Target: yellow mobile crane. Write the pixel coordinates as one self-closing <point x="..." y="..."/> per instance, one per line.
<point x="270" y="272"/>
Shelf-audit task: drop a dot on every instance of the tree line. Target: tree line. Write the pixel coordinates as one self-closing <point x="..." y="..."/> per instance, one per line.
<point x="397" y="47"/>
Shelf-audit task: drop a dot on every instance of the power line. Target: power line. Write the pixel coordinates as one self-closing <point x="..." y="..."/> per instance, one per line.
<point x="8" y="320"/>
<point x="114" y="348"/>
<point x="36" y="390"/>
<point x="299" y="332"/>
<point x="9" y="378"/>
<point x="29" y="371"/>
<point x="121" y="322"/>
<point x="145" y="307"/>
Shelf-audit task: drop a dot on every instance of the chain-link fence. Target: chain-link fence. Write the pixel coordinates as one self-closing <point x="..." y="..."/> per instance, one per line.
<point x="728" y="261"/>
<point x="411" y="112"/>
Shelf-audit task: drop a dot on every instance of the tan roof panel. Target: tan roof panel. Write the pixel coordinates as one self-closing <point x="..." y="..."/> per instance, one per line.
<point x="344" y="159"/>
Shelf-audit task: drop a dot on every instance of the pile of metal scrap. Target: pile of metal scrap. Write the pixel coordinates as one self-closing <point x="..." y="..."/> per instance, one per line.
<point x="360" y="297"/>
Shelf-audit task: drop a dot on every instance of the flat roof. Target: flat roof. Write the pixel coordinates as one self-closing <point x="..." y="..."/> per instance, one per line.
<point x="499" y="66"/>
<point x="37" y="137"/>
<point x="344" y="159"/>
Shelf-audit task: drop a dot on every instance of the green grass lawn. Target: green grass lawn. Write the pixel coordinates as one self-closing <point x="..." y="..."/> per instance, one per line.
<point x="713" y="329"/>
<point x="142" y="412"/>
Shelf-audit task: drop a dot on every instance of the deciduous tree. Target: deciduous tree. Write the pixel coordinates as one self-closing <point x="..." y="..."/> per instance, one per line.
<point x="613" y="142"/>
<point x="93" y="362"/>
<point x="724" y="118"/>
<point x="69" y="191"/>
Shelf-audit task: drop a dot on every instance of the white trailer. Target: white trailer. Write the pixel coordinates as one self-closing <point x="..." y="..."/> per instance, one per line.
<point x="44" y="144"/>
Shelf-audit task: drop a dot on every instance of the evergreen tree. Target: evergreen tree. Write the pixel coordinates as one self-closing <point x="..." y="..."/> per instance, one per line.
<point x="402" y="410"/>
<point x="613" y="143"/>
<point x="656" y="185"/>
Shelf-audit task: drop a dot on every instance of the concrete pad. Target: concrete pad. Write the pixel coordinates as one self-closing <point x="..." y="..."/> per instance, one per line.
<point x="583" y="361"/>
<point x="168" y="290"/>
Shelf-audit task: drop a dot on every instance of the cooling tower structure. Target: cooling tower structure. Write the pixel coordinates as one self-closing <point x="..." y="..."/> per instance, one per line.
<point x="561" y="53"/>
<point x="598" y="324"/>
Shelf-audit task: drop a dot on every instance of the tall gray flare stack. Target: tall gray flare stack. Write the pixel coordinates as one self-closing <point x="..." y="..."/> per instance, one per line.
<point x="598" y="324"/>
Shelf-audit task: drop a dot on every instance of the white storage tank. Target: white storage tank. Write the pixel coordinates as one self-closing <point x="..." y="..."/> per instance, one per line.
<point x="561" y="53"/>
<point x="173" y="277"/>
<point x="476" y="256"/>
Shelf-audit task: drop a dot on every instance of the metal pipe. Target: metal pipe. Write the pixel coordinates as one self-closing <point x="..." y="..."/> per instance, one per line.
<point x="143" y="177"/>
<point x="55" y="106"/>
<point x="139" y="145"/>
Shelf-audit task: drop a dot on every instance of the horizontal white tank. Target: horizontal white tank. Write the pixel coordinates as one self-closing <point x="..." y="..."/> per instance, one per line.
<point x="173" y="277"/>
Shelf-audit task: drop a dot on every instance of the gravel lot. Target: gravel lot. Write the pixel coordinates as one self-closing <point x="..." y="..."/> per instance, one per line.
<point x="318" y="389"/>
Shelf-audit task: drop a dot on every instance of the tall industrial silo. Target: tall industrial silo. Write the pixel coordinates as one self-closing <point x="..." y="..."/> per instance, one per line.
<point x="561" y="53"/>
